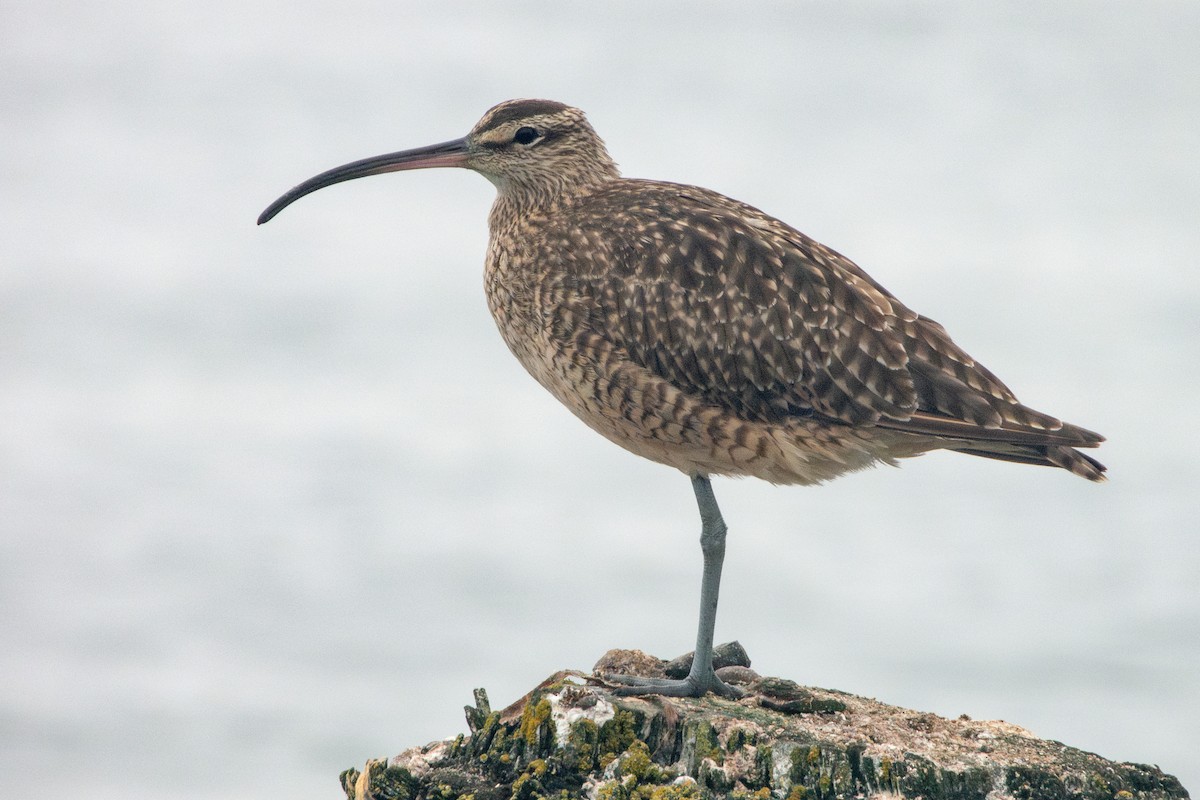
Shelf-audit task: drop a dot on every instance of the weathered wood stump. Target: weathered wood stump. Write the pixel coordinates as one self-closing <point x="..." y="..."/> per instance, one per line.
<point x="573" y="737"/>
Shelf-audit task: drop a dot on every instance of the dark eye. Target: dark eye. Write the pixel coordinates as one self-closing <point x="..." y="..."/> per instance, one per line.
<point x="525" y="135"/>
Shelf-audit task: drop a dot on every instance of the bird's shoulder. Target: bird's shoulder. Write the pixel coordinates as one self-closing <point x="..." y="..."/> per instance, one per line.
<point x="708" y="243"/>
<point x="727" y="301"/>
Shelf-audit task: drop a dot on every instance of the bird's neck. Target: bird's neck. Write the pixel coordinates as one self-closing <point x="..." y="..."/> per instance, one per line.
<point x="546" y="191"/>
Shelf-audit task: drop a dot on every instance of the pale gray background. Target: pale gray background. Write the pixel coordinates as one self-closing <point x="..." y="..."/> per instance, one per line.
<point x="273" y="500"/>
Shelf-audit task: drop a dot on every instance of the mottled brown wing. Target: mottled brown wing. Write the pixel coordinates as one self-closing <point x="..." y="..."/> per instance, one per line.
<point x="734" y="306"/>
<point x="737" y="315"/>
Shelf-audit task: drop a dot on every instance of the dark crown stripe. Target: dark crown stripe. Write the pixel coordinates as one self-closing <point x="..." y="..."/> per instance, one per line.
<point x="520" y="109"/>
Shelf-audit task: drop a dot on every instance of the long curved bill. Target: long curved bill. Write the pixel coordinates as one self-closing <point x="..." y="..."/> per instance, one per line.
<point x="446" y="154"/>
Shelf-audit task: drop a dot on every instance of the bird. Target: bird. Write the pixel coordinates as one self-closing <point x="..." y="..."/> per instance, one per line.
<point x="701" y="333"/>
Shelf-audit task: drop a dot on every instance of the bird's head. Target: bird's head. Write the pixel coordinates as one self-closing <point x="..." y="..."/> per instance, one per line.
<point x="532" y="150"/>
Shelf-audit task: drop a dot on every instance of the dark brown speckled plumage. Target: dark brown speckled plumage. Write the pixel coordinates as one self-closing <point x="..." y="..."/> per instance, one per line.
<point x="699" y="332"/>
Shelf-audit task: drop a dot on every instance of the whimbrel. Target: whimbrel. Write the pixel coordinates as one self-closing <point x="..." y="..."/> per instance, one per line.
<point x="701" y="333"/>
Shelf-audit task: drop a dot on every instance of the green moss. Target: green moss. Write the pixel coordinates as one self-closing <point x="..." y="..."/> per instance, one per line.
<point x="714" y="779"/>
<point x="739" y="738"/>
<point x="707" y="744"/>
<point x="798" y="792"/>
<point x="636" y="761"/>
<point x="613" y="790"/>
<point x="764" y="766"/>
<point x="582" y="745"/>
<point x="758" y="794"/>
<point x="638" y="777"/>
<point x="799" y="770"/>
<point x="862" y="767"/>
<point x="524" y="788"/>
<point x="533" y="717"/>
<point x="481" y="741"/>
<point x="456" y="748"/>
<point x="501" y="743"/>
<point x="384" y="782"/>
<point x="616" y="735"/>
<point x="806" y="770"/>
<point x="528" y="785"/>
<point x="675" y="791"/>
<point x="842" y="778"/>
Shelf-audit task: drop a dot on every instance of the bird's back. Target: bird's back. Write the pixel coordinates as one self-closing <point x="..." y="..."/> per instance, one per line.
<point x="640" y="288"/>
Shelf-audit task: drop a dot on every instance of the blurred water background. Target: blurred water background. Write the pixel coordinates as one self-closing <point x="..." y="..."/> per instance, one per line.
<point x="274" y="500"/>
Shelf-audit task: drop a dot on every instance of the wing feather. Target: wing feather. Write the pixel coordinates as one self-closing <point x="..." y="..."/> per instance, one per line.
<point x="734" y="306"/>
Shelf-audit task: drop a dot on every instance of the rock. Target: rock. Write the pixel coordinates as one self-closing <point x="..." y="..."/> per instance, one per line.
<point x="630" y="662"/>
<point x="738" y="675"/>
<point x="789" y="697"/>
<point x="571" y="737"/>
<point x="730" y="654"/>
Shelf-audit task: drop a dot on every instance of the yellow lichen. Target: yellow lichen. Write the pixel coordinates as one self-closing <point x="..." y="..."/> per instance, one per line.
<point x="582" y="740"/>
<point x="613" y="790"/>
<point x="532" y="718"/>
<point x="636" y="761"/>
<point x="527" y="784"/>
<point x="684" y="790"/>
<point x="617" y="734"/>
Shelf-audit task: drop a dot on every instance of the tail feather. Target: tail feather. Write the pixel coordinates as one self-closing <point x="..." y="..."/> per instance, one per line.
<point x="1066" y="458"/>
<point x="1074" y="461"/>
<point x="1042" y="440"/>
<point x="1055" y="432"/>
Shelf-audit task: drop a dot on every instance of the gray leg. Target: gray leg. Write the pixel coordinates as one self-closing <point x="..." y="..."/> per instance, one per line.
<point x="701" y="678"/>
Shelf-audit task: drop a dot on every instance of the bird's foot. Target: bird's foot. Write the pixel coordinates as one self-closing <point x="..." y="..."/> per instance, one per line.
<point x="691" y="686"/>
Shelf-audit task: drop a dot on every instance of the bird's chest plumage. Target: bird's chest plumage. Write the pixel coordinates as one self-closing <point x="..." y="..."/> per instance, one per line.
<point x="511" y="283"/>
<point x="506" y="300"/>
<point x="520" y="282"/>
<point x="547" y="315"/>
